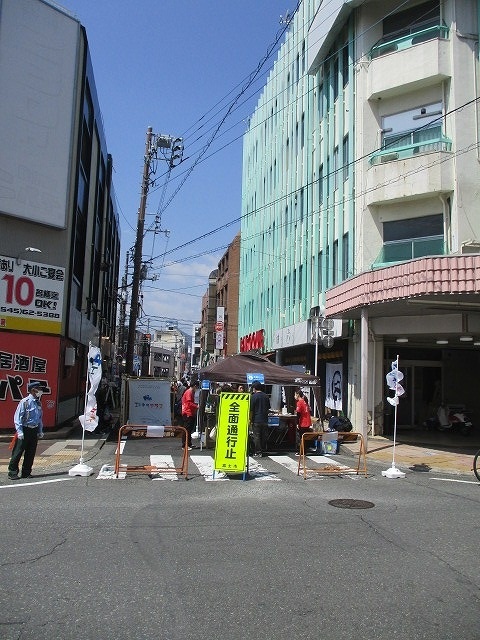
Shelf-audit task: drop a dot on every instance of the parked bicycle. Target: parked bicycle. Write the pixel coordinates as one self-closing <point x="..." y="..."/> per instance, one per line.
<point x="476" y="464"/>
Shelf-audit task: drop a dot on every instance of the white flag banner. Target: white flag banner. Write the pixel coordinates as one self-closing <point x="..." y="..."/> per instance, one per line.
<point x="334" y="386"/>
<point x="89" y="420"/>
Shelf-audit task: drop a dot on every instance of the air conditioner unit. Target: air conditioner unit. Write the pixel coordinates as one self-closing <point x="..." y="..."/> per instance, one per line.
<point x="69" y="356"/>
<point x="388" y="157"/>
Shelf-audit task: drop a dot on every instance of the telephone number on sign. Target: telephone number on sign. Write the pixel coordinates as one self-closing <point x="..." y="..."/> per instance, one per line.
<point x="30" y="312"/>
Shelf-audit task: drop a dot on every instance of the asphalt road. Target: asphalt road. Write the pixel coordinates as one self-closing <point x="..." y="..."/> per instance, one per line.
<point x="263" y="558"/>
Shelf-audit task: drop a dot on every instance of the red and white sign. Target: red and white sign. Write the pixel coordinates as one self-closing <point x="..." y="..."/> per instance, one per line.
<point x="31" y="296"/>
<point x="255" y="340"/>
<point x="220" y="328"/>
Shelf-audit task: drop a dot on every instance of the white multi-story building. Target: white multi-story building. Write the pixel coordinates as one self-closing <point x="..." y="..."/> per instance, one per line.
<point x="59" y="226"/>
<point x="378" y="184"/>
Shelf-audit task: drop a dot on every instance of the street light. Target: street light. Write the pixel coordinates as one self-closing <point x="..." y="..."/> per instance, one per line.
<point x="27" y="250"/>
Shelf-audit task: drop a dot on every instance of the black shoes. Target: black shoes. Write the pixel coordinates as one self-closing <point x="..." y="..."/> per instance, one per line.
<point x="13" y="476"/>
<point x="26" y="475"/>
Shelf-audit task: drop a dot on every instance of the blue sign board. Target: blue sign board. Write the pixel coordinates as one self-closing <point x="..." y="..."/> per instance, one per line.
<point x="255" y="377"/>
<point x="205" y="384"/>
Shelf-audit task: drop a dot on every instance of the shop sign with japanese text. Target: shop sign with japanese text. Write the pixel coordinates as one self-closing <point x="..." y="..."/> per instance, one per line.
<point x="31" y="296"/>
<point x="232" y="433"/>
<point x="28" y="358"/>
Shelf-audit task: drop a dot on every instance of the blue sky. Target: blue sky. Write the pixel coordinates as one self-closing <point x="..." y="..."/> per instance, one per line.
<point x="177" y="65"/>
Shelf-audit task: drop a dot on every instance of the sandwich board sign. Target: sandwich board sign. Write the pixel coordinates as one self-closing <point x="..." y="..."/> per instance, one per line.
<point x="231" y="438"/>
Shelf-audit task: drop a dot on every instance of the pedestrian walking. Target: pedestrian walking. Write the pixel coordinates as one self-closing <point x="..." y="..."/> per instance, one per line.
<point x="259" y="408"/>
<point x="189" y="412"/>
<point x="28" y="429"/>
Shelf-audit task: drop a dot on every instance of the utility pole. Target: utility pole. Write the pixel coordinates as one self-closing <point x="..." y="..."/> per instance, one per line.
<point x="137" y="258"/>
<point x="153" y="144"/>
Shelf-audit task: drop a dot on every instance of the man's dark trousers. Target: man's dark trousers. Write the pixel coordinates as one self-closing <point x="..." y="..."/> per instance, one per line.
<point x="28" y="446"/>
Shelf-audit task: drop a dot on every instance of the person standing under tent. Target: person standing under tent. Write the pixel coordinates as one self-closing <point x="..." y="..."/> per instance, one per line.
<point x="304" y="417"/>
<point x="259" y="408"/>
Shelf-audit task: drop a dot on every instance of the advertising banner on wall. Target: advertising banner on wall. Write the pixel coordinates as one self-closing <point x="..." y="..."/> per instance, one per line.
<point x="31" y="296"/>
<point x="334" y="386"/>
<point x="23" y="359"/>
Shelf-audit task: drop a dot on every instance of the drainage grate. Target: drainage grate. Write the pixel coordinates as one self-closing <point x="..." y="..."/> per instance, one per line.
<point x="348" y="503"/>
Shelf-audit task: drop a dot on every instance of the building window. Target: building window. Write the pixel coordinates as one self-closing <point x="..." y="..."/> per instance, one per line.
<point x="345" y="273"/>
<point x="412" y="238"/>
<point x="415" y="126"/>
<point x="335" y="273"/>
<point x="335" y="168"/>
<point x="320" y="185"/>
<point x="418" y="130"/>
<point x="410" y="27"/>
<point x="320" y="97"/>
<point x="335" y="79"/>
<point x="412" y="20"/>
<point x="345" y="159"/>
<point x="320" y="270"/>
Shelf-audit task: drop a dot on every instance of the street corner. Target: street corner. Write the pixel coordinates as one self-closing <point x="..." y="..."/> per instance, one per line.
<point x="56" y="455"/>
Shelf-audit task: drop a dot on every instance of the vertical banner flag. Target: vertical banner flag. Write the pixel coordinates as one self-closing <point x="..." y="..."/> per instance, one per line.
<point x="393" y="382"/>
<point x="334" y="384"/>
<point x="89" y="420"/>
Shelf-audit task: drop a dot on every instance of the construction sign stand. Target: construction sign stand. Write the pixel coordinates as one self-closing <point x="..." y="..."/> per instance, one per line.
<point x="331" y="469"/>
<point x="152" y="432"/>
<point x="231" y="438"/>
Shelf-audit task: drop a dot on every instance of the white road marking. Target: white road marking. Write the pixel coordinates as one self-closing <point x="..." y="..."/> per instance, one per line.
<point x="205" y="465"/>
<point x="287" y="462"/>
<point x="123" y="442"/>
<point x="163" y="461"/>
<point x="454" y="480"/>
<point x="258" y="472"/>
<point x="107" y="472"/>
<point x="31" y="484"/>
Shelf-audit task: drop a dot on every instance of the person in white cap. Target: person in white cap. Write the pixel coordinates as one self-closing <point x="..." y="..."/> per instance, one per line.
<point x="28" y="428"/>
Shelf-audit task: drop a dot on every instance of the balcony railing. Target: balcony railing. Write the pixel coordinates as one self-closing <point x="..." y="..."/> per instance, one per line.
<point x="391" y="153"/>
<point x="409" y="40"/>
<point x="404" y="250"/>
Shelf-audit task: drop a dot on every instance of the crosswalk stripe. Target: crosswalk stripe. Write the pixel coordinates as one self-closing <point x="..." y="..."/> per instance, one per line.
<point x="163" y="461"/>
<point x="258" y="472"/>
<point x="287" y="462"/>
<point x="204" y="463"/>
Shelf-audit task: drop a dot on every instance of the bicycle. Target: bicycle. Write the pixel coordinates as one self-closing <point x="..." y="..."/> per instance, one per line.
<point x="476" y="465"/>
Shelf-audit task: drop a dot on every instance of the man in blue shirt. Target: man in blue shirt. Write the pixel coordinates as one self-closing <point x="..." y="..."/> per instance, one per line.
<point x="28" y="428"/>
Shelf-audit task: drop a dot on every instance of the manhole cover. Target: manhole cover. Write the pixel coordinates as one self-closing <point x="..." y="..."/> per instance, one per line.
<point x="348" y="503"/>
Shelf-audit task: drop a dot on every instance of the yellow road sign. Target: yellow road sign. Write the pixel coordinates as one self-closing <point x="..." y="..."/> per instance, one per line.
<point x="232" y="433"/>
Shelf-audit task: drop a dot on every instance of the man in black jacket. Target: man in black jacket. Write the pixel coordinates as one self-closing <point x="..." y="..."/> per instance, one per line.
<point x="259" y="408"/>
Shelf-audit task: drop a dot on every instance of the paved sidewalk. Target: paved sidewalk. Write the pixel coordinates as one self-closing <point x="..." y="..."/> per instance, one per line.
<point x="411" y="457"/>
<point x="58" y="452"/>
